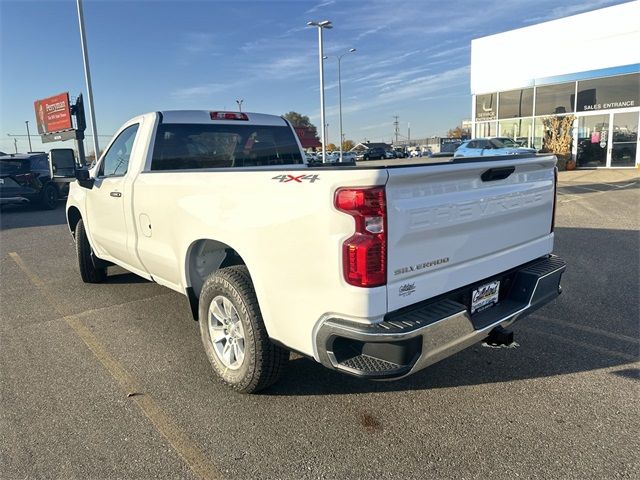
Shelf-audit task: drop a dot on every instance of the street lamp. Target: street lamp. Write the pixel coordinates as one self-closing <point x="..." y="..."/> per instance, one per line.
<point x="339" y="57"/>
<point x="239" y="102"/>
<point x="28" y="135"/>
<point x="320" y="26"/>
<point x="87" y="77"/>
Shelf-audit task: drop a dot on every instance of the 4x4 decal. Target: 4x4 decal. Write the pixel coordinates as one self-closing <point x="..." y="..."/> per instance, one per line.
<point x="298" y="179"/>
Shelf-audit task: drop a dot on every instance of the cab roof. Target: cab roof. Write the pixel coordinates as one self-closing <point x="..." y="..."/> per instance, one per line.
<point x="204" y="116"/>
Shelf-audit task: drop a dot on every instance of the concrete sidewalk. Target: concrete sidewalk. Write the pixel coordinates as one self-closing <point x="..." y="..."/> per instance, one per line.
<point x="599" y="176"/>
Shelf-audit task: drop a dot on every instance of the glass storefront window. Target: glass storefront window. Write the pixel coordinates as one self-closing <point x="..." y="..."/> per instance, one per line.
<point x="624" y="139"/>
<point x="593" y="134"/>
<point x="555" y="99"/>
<point x="486" y="108"/>
<point x="486" y="129"/>
<point x="622" y="91"/>
<point x="519" y="129"/>
<point x="516" y="103"/>
<point x="538" y="133"/>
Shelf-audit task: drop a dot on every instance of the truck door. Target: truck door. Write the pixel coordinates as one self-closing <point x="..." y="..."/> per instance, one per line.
<point x="106" y="201"/>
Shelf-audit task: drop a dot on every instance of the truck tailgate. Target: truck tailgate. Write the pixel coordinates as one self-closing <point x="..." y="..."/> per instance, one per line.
<point x="455" y="224"/>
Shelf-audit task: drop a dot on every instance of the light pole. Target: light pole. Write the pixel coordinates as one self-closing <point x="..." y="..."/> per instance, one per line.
<point x="320" y="26"/>
<point x="28" y="135"/>
<point x="87" y="76"/>
<point x="239" y="102"/>
<point x="339" y="57"/>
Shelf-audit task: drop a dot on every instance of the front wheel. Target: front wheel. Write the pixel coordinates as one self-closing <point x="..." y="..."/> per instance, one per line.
<point x="233" y="333"/>
<point x="88" y="271"/>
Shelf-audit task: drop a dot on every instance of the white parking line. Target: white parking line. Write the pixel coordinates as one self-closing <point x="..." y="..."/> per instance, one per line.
<point x="195" y="458"/>
<point x="585" y="328"/>
<point x="589" y="189"/>
<point x="581" y="197"/>
<point x="620" y="186"/>
<point x="604" y="351"/>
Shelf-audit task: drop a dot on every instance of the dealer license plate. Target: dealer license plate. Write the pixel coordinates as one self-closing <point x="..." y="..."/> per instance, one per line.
<point x="485" y="296"/>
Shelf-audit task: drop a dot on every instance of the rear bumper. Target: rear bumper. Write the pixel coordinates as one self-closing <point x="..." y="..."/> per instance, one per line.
<point x="415" y="337"/>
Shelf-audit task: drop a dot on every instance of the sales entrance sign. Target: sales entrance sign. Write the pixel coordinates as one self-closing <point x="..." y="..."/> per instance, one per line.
<point x="53" y="114"/>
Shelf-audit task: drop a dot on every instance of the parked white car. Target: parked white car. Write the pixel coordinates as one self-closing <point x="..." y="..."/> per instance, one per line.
<point x="375" y="271"/>
<point x="348" y="156"/>
<point x="333" y="157"/>
<point x="482" y="147"/>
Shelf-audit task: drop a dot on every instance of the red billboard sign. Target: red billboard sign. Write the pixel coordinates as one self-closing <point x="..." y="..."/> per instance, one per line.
<point x="53" y="114"/>
<point x="307" y="139"/>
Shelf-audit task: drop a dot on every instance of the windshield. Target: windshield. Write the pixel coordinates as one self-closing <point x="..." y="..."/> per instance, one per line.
<point x="9" y="166"/>
<point x="195" y="146"/>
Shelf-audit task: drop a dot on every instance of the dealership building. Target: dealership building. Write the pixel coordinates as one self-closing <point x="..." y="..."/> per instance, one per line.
<point x="586" y="65"/>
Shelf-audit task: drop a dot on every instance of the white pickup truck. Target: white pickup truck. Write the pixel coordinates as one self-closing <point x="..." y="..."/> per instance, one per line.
<point x="376" y="269"/>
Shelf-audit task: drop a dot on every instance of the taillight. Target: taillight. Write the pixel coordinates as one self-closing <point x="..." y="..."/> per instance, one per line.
<point x="364" y="254"/>
<point x="555" y="198"/>
<point x="228" y="116"/>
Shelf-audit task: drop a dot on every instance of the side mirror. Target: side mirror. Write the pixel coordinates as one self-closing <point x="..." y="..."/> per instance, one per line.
<point x="84" y="179"/>
<point x="62" y="163"/>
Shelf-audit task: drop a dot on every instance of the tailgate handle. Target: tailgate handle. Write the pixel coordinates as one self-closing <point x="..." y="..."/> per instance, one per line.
<point x="499" y="173"/>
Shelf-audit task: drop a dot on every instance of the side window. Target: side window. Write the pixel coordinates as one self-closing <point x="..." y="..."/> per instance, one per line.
<point x="472" y="145"/>
<point x="40" y="164"/>
<point x="116" y="160"/>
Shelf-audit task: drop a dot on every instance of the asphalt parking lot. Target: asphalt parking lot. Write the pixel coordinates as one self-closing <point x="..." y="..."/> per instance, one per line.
<point x="111" y="381"/>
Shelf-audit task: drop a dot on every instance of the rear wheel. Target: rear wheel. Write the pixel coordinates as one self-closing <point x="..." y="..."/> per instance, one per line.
<point x="233" y="333"/>
<point x="88" y="271"/>
<point x="49" y="199"/>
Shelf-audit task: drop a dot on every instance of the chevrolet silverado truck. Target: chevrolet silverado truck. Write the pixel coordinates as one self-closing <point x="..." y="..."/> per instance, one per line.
<point x="376" y="269"/>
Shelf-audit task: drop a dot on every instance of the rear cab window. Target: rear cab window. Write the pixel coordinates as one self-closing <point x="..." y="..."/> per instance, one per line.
<point x="186" y="146"/>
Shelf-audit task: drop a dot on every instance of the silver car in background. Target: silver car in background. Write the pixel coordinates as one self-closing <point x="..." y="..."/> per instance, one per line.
<point x="484" y="147"/>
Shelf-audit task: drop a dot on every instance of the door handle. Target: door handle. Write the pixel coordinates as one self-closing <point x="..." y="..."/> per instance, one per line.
<point x="115" y="194"/>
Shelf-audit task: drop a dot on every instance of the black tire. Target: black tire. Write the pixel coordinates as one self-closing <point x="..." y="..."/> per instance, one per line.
<point x="49" y="200"/>
<point x="263" y="361"/>
<point x="88" y="271"/>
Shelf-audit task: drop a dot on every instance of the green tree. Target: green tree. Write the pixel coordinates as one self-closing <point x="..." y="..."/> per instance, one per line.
<point x="455" y="132"/>
<point x="348" y="145"/>
<point x="299" y="120"/>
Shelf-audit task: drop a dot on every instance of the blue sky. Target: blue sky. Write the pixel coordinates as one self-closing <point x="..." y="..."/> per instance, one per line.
<point x="412" y="58"/>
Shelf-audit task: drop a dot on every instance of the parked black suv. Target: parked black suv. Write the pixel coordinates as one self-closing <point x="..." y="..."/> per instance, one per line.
<point x="374" y="153"/>
<point x="25" y="178"/>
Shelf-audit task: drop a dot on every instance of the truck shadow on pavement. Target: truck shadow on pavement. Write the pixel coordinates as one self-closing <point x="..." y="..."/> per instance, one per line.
<point x="119" y="276"/>
<point x="26" y="216"/>
<point x="593" y="325"/>
<point x="475" y="366"/>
